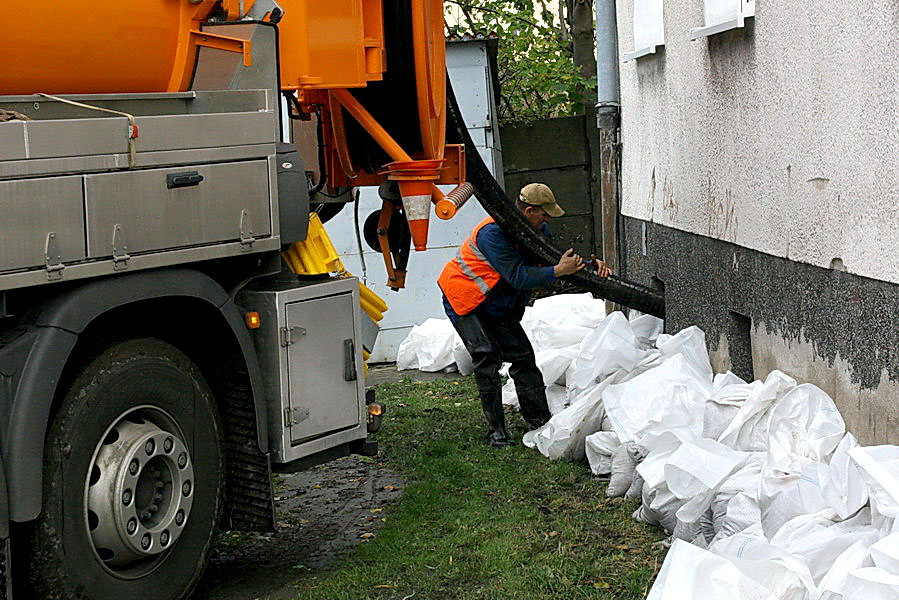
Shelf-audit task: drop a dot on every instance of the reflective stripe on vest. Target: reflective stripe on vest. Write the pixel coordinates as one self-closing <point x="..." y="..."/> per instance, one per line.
<point x="482" y="285"/>
<point x="468" y="277"/>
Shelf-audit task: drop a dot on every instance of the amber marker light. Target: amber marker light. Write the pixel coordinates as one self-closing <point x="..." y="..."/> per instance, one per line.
<point x="376" y="409"/>
<point x="253" y="320"/>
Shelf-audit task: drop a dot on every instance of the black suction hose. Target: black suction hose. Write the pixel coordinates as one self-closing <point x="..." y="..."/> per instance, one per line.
<point x="494" y="200"/>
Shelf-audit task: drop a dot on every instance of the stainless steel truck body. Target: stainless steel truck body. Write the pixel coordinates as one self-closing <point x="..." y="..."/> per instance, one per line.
<point x="139" y="407"/>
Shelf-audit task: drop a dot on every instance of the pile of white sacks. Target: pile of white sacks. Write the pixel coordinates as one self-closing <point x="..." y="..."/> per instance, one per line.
<point x="764" y="492"/>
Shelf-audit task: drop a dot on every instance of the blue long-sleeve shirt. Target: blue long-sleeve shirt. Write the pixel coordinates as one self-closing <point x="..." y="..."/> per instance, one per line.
<point x="518" y="274"/>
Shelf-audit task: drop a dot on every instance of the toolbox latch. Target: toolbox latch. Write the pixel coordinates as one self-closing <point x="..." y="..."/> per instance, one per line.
<point x="53" y="257"/>
<point x="246" y="231"/>
<point x="295" y="416"/>
<point x="289" y="335"/>
<point x="120" y="256"/>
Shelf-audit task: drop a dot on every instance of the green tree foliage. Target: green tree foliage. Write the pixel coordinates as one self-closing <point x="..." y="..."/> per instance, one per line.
<point x="538" y="76"/>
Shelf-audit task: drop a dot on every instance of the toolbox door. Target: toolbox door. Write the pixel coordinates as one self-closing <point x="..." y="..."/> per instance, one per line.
<point x="323" y="381"/>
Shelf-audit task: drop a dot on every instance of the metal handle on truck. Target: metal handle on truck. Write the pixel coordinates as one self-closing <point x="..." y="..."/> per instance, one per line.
<point x="186" y="179"/>
<point x="349" y="360"/>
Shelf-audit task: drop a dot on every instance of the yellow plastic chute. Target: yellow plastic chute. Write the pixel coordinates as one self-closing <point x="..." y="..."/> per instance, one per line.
<point x="316" y="255"/>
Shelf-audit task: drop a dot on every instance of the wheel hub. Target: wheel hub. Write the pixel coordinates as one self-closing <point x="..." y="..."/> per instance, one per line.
<point x="139" y="492"/>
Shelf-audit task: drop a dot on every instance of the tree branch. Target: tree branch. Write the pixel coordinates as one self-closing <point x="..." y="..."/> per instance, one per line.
<point x="465" y="5"/>
<point x="468" y="17"/>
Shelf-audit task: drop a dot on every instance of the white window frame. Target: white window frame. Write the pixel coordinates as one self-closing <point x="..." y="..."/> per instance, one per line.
<point x="646" y="43"/>
<point x="745" y="9"/>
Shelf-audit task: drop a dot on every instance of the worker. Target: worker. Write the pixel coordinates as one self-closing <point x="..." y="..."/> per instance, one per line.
<point x="485" y="290"/>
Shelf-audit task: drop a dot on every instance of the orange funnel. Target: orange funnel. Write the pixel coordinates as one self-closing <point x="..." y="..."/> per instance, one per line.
<point x="416" y="180"/>
<point x="417" y="204"/>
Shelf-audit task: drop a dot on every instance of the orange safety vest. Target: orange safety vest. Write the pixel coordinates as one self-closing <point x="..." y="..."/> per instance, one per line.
<point x="468" y="278"/>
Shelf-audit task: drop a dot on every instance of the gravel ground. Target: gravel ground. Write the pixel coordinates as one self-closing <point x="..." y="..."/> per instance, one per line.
<point x="322" y="513"/>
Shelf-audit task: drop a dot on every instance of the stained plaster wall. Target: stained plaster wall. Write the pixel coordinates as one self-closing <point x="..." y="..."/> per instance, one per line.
<point x="760" y="184"/>
<point x="822" y="326"/>
<point x="781" y="137"/>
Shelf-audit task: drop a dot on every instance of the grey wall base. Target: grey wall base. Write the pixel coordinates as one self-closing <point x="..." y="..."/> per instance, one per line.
<point x="823" y="326"/>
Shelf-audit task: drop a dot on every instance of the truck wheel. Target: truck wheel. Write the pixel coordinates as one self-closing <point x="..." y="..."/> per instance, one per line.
<point x="132" y="479"/>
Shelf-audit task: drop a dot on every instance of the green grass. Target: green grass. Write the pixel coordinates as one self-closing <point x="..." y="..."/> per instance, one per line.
<point x="485" y="523"/>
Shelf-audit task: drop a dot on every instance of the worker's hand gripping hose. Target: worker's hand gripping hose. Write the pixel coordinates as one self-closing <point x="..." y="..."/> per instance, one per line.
<point x="494" y="200"/>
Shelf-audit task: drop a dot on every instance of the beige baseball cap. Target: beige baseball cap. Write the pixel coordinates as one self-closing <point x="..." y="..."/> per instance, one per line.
<point x="539" y="194"/>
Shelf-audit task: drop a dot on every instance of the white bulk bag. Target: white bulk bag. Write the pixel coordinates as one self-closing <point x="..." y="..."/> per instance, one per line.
<point x="740" y="513"/>
<point x="556" y="399"/>
<point x="879" y="466"/>
<point x="563" y="320"/>
<point x="833" y="585"/>
<point x="569" y="309"/>
<point x="871" y="583"/>
<point x="659" y="503"/>
<point x="646" y="328"/>
<point x="730" y="514"/>
<point x="805" y="423"/>
<point x="819" y="541"/>
<point x="729" y="392"/>
<point x="548" y="337"/>
<point x="842" y="485"/>
<point x="748" y="431"/>
<point x="624" y="459"/>
<point x="428" y="347"/>
<point x="636" y="488"/>
<point x="690" y="343"/>
<point x="607" y="349"/>
<point x="695" y="471"/>
<point x="599" y="447"/>
<point x="554" y="362"/>
<point x="697" y="574"/>
<point x="563" y="436"/>
<point x="781" y="497"/>
<point x="885" y="553"/>
<point x="669" y="395"/>
<point x="782" y="573"/>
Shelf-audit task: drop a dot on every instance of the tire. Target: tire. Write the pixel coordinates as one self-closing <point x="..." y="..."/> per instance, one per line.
<point x="106" y="494"/>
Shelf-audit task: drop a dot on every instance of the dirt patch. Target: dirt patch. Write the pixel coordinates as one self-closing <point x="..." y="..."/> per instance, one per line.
<point x="321" y="514"/>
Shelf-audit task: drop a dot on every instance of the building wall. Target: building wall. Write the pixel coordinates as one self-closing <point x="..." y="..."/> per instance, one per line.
<point x="760" y="187"/>
<point x="761" y="312"/>
<point x="782" y="136"/>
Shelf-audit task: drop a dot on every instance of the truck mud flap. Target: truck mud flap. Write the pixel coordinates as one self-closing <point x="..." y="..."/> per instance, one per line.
<point x="494" y="200"/>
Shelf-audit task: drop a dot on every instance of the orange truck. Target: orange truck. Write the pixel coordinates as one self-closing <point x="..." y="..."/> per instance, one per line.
<point x="169" y="330"/>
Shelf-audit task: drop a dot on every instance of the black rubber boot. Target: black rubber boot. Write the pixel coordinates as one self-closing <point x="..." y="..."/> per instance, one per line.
<point x="497" y="436"/>
<point x="534" y="408"/>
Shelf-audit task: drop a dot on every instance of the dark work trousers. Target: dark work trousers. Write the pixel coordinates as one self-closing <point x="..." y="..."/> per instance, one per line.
<point x="491" y="342"/>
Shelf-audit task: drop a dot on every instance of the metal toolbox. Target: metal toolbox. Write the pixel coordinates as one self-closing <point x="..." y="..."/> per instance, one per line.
<point x="203" y="183"/>
<point x="310" y="352"/>
<point x="223" y="202"/>
<point x="32" y="209"/>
